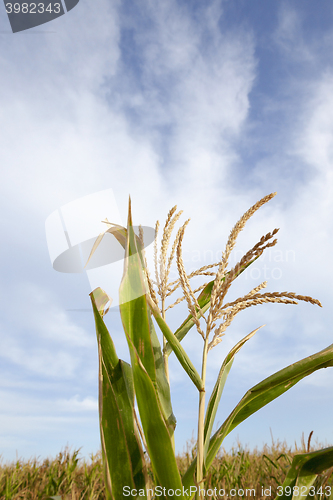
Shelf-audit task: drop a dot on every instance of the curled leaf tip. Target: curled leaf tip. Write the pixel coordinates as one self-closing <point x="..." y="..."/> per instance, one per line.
<point x="101" y="300"/>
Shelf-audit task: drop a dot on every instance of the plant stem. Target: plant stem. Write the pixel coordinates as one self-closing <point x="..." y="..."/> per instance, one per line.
<point x="166" y="365"/>
<point x="201" y="420"/>
<point x="165" y="355"/>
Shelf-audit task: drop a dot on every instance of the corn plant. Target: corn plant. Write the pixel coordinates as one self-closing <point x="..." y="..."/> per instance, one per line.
<point x="129" y="439"/>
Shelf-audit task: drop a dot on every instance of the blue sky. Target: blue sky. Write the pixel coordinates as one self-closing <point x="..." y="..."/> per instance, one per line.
<point x="207" y="105"/>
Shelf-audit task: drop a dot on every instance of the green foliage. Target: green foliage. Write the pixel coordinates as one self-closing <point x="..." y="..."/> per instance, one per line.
<point x="303" y="473"/>
<point x="147" y="377"/>
<point x="123" y="463"/>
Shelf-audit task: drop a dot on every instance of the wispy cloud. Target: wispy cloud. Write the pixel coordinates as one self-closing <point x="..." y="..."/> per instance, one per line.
<point x="37" y="334"/>
<point x="172" y="103"/>
<point x="290" y="37"/>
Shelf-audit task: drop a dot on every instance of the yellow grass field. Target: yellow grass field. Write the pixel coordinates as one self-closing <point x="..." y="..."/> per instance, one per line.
<point x="240" y="473"/>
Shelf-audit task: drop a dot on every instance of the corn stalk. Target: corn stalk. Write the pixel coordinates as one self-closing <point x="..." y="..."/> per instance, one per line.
<point x="150" y="433"/>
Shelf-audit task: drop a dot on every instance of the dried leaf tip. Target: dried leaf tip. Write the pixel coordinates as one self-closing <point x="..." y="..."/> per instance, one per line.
<point x="101" y="299"/>
<point x="129" y="219"/>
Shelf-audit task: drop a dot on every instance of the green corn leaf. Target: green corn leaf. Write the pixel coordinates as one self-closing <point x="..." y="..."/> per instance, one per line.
<point x="124" y="464"/>
<point x="303" y="472"/>
<point x="218" y="389"/>
<point x="135" y="312"/>
<point x="204" y="303"/>
<point x="101" y="300"/>
<point x="157" y="436"/>
<point x="162" y="385"/>
<point x="151" y="387"/>
<point x="176" y="346"/>
<point x="258" y="397"/>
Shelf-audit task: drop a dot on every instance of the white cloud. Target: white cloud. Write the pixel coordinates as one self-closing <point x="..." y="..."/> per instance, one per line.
<point x="159" y="116"/>
<point x="42" y="361"/>
<point x="75" y="405"/>
<point x="316" y="142"/>
<point x="38" y="335"/>
<point x="18" y="403"/>
<point x="289" y="35"/>
<point x="38" y="310"/>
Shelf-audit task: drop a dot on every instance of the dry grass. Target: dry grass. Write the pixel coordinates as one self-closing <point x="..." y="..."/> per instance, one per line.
<point x="73" y="479"/>
<point x="66" y="475"/>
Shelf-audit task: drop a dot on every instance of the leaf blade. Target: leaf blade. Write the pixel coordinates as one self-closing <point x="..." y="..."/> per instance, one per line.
<point x="151" y="387"/>
<point x="176" y="347"/>
<point x="218" y="389"/>
<point x="304" y="470"/>
<point x="116" y="409"/>
<point x="282" y="380"/>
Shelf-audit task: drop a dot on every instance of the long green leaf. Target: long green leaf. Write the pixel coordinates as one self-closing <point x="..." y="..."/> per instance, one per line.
<point x="151" y="387"/>
<point x="140" y="328"/>
<point x="218" y="389"/>
<point x="176" y="346"/>
<point x="162" y="385"/>
<point x="157" y="436"/>
<point x="259" y="396"/>
<point x="303" y="472"/>
<point x="204" y="303"/>
<point x="124" y="464"/>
